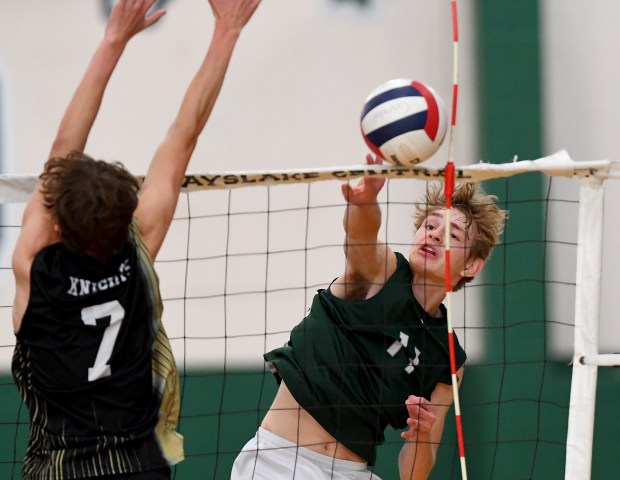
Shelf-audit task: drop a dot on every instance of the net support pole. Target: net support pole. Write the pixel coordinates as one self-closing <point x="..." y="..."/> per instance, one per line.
<point x="587" y="306"/>
<point x="602" y="360"/>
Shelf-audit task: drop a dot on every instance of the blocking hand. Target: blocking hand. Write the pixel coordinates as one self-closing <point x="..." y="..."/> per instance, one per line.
<point x="236" y="12"/>
<point x="129" y="17"/>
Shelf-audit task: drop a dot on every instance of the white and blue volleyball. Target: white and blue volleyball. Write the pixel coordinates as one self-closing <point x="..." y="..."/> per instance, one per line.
<point x="404" y="122"/>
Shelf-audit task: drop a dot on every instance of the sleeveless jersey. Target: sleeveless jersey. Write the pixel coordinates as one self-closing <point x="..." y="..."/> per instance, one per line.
<point x="95" y="368"/>
<point x="352" y="363"/>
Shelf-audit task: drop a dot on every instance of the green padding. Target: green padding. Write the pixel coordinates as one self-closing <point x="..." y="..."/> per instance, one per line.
<point x="220" y="413"/>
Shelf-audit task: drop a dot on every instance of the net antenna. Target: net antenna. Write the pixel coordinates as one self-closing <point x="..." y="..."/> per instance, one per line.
<point x="449" y="191"/>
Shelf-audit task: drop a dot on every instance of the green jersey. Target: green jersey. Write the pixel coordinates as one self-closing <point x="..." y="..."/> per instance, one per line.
<point x="352" y="363"/>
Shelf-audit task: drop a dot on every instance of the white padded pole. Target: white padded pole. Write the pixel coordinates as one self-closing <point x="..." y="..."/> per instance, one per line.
<point x="602" y="360"/>
<point x="587" y="296"/>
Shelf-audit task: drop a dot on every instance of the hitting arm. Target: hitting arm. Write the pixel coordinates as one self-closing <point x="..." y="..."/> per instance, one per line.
<point x="369" y="262"/>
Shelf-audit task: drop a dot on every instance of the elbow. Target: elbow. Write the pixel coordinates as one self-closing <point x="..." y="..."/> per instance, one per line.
<point x="60" y="148"/>
<point x="67" y="141"/>
<point x="184" y="135"/>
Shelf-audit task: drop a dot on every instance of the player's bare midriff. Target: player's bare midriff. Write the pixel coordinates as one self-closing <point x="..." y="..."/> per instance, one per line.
<point x="288" y="420"/>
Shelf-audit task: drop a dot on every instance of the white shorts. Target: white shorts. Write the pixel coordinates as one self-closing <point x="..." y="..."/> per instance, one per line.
<point x="270" y="457"/>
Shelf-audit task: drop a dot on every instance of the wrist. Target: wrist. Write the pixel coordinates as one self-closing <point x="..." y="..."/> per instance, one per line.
<point x="114" y="43"/>
<point x="226" y="29"/>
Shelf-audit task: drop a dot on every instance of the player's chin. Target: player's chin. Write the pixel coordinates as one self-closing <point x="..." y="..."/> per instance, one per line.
<point x="421" y="261"/>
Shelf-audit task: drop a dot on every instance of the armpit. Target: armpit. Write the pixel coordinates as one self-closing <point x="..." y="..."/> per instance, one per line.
<point x="356" y="286"/>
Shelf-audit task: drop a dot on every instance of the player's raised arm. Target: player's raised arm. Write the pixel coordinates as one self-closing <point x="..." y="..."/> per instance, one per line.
<point x="128" y="17"/>
<point x="159" y="194"/>
<point x="369" y="262"/>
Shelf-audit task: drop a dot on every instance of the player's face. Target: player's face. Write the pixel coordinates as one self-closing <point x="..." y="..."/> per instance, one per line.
<point x="427" y="257"/>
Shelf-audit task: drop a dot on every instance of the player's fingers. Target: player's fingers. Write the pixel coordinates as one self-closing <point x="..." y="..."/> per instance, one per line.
<point x="421" y="401"/>
<point x="346" y="191"/>
<point x="421" y="415"/>
<point x="377" y="183"/>
<point x="415" y="431"/>
<point x="422" y="424"/>
<point x="373" y="159"/>
<point x="421" y="419"/>
<point x="153" y="18"/>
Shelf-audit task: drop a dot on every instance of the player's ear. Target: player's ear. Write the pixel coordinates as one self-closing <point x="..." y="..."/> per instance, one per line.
<point x="472" y="267"/>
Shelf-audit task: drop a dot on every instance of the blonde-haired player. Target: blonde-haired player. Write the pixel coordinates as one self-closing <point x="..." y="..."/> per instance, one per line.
<point x="373" y="350"/>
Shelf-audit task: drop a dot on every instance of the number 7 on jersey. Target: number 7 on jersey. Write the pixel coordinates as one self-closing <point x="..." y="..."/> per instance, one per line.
<point x="90" y="315"/>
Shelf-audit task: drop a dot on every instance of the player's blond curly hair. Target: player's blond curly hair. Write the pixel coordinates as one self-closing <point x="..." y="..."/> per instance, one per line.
<point x="478" y="207"/>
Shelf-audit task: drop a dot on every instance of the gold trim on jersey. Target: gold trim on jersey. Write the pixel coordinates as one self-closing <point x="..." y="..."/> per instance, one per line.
<point x="165" y="375"/>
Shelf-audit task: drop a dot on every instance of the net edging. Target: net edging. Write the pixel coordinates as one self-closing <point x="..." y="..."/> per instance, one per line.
<point x="18" y="188"/>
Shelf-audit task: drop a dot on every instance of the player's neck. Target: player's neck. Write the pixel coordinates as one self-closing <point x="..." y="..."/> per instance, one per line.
<point x="429" y="296"/>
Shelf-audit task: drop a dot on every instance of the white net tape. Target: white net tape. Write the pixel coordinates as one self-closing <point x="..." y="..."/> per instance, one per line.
<point x="17" y="188"/>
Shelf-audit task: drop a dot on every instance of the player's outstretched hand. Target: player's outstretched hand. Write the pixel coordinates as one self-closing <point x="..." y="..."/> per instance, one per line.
<point x="421" y="417"/>
<point x="234" y="12"/>
<point x="129" y="17"/>
<point x="367" y="188"/>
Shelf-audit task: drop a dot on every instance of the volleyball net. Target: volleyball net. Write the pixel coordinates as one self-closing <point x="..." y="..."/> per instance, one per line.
<point x="247" y="251"/>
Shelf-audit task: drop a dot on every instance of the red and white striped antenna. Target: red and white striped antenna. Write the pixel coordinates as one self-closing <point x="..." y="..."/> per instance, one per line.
<point x="449" y="191"/>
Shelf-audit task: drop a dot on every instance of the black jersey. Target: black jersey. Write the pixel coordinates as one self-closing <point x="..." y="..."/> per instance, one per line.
<point x="94" y="367"/>
<point x="352" y="363"/>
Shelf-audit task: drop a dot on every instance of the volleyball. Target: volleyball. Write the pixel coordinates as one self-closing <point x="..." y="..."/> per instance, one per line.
<point x="404" y="122"/>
